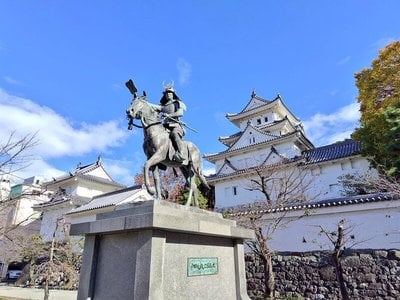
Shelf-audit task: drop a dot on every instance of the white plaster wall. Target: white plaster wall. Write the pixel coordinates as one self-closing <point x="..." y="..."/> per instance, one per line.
<point x="288" y="149"/>
<point x="251" y="137"/>
<point x="224" y="193"/>
<point x="49" y="224"/>
<point x="99" y="172"/>
<point x="373" y="225"/>
<point x="323" y="179"/>
<point x="24" y="212"/>
<point x="326" y="176"/>
<point x="87" y="191"/>
<point x="270" y="115"/>
<point x="5" y="186"/>
<point x="91" y="189"/>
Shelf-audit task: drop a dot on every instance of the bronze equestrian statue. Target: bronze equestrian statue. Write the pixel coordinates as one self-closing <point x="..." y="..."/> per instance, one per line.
<point x="163" y="140"/>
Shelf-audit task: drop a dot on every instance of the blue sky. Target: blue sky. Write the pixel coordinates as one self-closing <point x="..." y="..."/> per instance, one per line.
<point x="63" y="65"/>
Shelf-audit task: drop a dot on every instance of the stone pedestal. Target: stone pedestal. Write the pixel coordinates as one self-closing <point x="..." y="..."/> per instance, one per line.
<point x="161" y="250"/>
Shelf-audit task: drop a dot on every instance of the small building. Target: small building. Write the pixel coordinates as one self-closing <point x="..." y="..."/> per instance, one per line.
<point x="108" y="202"/>
<point x="18" y="219"/>
<point x="23" y="197"/>
<point x="69" y="191"/>
<point x="5" y="186"/>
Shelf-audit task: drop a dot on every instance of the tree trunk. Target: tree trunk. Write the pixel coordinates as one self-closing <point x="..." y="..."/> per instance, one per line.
<point x="337" y="264"/>
<point x="266" y="256"/>
<point x="46" y="283"/>
<point x="269" y="277"/>
<point x="339" y="275"/>
<point x="46" y="288"/>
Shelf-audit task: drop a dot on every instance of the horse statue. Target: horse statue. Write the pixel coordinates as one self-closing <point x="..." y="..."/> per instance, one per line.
<point x="159" y="150"/>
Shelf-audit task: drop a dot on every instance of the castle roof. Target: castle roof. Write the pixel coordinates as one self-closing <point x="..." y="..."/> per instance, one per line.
<point x="273" y="140"/>
<point x="84" y="172"/>
<point x="334" y="151"/>
<point x="110" y="199"/>
<point x="258" y="105"/>
<point x="337" y="150"/>
<point x="231" y="139"/>
<point x="262" y="207"/>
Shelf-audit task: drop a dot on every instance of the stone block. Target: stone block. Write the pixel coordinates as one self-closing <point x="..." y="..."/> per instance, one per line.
<point x="380" y="254"/>
<point x="158" y="250"/>
<point x="394" y="254"/>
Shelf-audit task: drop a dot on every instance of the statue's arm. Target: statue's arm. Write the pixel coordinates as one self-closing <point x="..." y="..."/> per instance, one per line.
<point x="156" y="107"/>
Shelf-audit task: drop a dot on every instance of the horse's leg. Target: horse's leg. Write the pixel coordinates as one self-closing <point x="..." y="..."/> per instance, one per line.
<point x="156" y="176"/>
<point x="189" y="200"/>
<point x="149" y="188"/>
<point x="193" y="187"/>
<point x="152" y="161"/>
<point x="191" y="182"/>
<point x="186" y="173"/>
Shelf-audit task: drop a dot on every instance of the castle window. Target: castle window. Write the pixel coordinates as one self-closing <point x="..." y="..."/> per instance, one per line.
<point x="234" y="190"/>
<point x="258" y="121"/>
<point x="265" y="119"/>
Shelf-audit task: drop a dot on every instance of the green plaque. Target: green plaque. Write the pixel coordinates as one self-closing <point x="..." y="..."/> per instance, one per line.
<point x="202" y="266"/>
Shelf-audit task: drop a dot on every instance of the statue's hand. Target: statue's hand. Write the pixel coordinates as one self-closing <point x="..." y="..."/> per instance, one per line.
<point x="164" y="115"/>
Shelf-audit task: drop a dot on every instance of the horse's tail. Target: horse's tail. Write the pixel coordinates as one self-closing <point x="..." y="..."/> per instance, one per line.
<point x="196" y="163"/>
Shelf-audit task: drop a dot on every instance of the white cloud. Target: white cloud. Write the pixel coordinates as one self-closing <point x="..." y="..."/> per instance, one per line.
<point x="57" y="136"/>
<point x="326" y="129"/>
<point x="208" y="171"/>
<point x="344" y="60"/>
<point x="333" y="92"/>
<point x="184" y="70"/>
<point x="124" y="171"/>
<point x="11" y="80"/>
<point x="383" y="42"/>
<point x="116" y="86"/>
<point x="37" y="167"/>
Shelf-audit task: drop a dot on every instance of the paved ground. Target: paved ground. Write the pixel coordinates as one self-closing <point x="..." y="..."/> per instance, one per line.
<point x="10" y="292"/>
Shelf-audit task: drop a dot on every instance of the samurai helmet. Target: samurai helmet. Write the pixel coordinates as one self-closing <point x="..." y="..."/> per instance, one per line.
<point x="168" y="88"/>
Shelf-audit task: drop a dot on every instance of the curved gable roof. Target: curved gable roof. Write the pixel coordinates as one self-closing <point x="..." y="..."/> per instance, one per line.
<point x="249" y="110"/>
<point x="255" y="102"/>
<point x="246" y="134"/>
<point x="88" y="172"/>
<point x="226" y="168"/>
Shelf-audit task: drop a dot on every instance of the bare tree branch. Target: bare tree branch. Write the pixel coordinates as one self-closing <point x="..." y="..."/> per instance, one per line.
<point x="14" y="152"/>
<point x="281" y="186"/>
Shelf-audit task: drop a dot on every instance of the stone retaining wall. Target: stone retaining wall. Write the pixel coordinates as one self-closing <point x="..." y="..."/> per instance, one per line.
<point x="369" y="274"/>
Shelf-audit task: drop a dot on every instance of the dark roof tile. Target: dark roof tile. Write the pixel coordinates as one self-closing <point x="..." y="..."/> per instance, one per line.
<point x="333" y="151"/>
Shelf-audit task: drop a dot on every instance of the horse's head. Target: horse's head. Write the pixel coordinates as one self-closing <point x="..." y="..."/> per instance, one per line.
<point x="135" y="110"/>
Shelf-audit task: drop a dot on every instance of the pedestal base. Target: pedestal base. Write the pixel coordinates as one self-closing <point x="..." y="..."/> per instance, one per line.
<point x="161" y="250"/>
